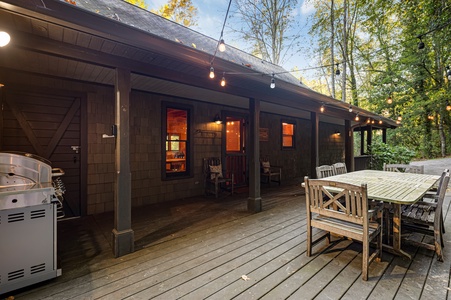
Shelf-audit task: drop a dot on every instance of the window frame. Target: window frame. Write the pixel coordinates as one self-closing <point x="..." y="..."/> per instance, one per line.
<point x="164" y="140"/>
<point x="282" y="135"/>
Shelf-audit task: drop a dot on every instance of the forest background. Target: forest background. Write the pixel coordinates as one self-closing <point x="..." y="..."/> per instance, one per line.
<point x="391" y="57"/>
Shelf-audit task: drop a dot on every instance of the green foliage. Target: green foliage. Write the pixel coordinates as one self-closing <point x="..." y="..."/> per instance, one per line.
<point x="384" y="153"/>
<point x="384" y="60"/>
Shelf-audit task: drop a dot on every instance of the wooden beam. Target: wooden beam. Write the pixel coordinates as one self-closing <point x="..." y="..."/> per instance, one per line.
<point x="123" y="235"/>
<point x="254" y="202"/>
<point x="349" y="146"/>
<point x="314" y="146"/>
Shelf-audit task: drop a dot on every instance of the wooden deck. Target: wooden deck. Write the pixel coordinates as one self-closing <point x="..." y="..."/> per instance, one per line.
<point x="203" y="248"/>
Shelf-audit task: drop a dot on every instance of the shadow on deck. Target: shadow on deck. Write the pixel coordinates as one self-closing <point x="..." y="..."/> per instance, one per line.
<point x="203" y="247"/>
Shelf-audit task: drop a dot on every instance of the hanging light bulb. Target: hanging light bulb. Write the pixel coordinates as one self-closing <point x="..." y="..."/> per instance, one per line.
<point x="357" y="117"/>
<point x="420" y="44"/>
<point x="4" y="38"/>
<point x="399" y="118"/>
<point x="350" y="108"/>
<point x="389" y="100"/>
<point x="448" y="73"/>
<point x="322" y="108"/>
<point x="337" y="71"/>
<point x="221" y="46"/>
<point x="448" y="106"/>
<point x="223" y="81"/>
<point x="212" y="72"/>
<point x="273" y="82"/>
<point x="380" y="121"/>
<point x="368" y="120"/>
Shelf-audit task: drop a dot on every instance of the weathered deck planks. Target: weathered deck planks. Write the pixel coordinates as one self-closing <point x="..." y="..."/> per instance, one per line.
<point x="200" y="248"/>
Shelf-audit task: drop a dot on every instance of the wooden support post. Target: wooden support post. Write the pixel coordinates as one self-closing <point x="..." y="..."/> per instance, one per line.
<point x="123" y="235"/>
<point x="314" y="140"/>
<point x="384" y="135"/>
<point x="254" y="202"/>
<point x="349" y="146"/>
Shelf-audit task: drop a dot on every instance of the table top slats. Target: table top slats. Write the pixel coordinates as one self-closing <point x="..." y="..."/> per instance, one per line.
<point x="394" y="187"/>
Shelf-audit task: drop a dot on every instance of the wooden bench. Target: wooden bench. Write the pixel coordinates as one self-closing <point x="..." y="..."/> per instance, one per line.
<point x="344" y="213"/>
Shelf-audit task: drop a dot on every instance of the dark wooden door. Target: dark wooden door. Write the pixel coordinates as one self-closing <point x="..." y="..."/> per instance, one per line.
<point x="47" y="125"/>
<point x="235" y="145"/>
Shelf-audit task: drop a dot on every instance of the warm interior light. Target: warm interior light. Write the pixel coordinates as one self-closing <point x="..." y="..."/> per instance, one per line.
<point x="221" y="46"/>
<point x="357" y="117"/>
<point x="212" y="72"/>
<point x="4" y="38"/>
<point x="223" y="81"/>
<point x="322" y="108"/>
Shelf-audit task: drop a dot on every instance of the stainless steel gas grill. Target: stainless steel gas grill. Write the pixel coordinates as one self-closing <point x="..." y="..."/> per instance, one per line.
<point x="29" y="205"/>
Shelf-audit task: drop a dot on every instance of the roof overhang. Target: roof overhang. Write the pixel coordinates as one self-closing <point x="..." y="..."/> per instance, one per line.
<point x="56" y="39"/>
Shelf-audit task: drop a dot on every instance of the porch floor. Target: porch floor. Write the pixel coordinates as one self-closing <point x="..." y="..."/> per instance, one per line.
<point x="202" y="248"/>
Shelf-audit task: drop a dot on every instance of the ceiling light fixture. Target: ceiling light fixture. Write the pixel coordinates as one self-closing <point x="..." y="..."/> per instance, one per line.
<point x="4" y="38"/>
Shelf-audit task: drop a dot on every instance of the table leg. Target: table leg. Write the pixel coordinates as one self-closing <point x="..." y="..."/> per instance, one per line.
<point x="396" y="249"/>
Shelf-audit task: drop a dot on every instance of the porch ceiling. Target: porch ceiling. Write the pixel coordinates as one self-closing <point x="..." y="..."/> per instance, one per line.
<point x="55" y="39"/>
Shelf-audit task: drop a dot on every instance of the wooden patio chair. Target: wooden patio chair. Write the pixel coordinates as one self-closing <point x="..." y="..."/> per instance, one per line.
<point x="214" y="176"/>
<point x="404" y="168"/>
<point x="340" y="168"/>
<point x="272" y="173"/>
<point x="324" y="171"/>
<point x="350" y="218"/>
<point x="426" y="217"/>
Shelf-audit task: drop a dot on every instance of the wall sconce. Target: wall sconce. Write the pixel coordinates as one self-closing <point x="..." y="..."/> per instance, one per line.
<point x="4" y="38"/>
<point x="337" y="133"/>
<point x="217" y="119"/>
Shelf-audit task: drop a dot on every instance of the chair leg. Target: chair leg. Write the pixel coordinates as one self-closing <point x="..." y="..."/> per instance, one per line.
<point x="365" y="256"/>
<point x="309" y="240"/>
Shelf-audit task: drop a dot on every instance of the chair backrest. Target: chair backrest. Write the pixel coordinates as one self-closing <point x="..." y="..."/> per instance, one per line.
<point x="324" y="171"/>
<point x="404" y="168"/>
<point x="441" y="197"/>
<point x="415" y="169"/>
<point x="340" y="168"/>
<point x="440" y="182"/>
<point x="211" y="161"/>
<point x="396" y="167"/>
<point x="320" y="200"/>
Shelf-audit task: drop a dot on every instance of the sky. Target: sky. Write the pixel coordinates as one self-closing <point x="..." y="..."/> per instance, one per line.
<point x="210" y="18"/>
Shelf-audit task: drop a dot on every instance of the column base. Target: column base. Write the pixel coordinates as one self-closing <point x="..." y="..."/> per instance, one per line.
<point x="254" y="204"/>
<point x="123" y="242"/>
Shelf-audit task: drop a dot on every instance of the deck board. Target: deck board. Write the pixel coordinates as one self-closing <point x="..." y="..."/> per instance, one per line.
<point x="199" y="248"/>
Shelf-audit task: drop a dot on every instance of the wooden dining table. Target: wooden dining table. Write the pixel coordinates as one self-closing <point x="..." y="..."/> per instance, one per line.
<point x="394" y="188"/>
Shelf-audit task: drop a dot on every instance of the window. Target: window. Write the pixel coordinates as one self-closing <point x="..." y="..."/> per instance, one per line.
<point x="175" y="133"/>
<point x="288" y="135"/>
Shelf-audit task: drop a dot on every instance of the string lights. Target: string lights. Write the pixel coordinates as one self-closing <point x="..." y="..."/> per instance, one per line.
<point x="212" y="72"/>
<point x="223" y="81"/>
<point x="273" y="82"/>
<point x="322" y="108"/>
